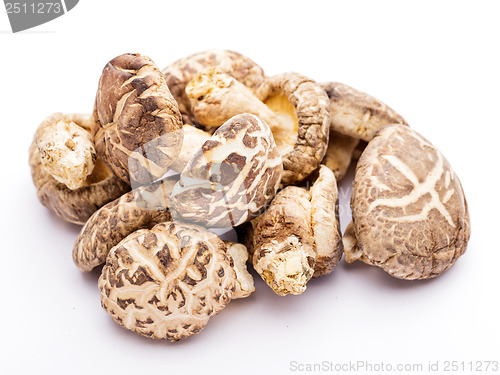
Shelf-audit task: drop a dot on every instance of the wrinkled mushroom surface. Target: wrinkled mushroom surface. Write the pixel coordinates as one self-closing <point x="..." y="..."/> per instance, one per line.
<point x="357" y="114"/>
<point x="138" y="209"/>
<point x="294" y="106"/>
<point x="409" y="211"/>
<point x="231" y="177"/>
<point x="194" y="138"/>
<point x="138" y="127"/>
<point x="181" y="72"/>
<point x="166" y="283"/>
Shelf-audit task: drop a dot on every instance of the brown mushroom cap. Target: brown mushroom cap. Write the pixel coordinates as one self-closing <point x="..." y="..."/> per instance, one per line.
<point x="194" y="138"/>
<point x="75" y="206"/>
<point x="357" y="114"/>
<point x="303" y="108"/>
<point x="409" y="211"/>
<point x="232" y="177"/>
<point x="138" y="209"/>
<point x="166" y="283"/>
<point x="181" y="72"/>
<point x="138" y="130"/>
<point x="295" y="107"/>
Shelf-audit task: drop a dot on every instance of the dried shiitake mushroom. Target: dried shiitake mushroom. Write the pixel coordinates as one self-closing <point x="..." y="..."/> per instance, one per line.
<point x="194" y="138"/>
<point x="138" y="127"/>
<point x="299" y="235"/>
<point x="231" y="177"/>
<point x="339" y="153"/>
<point x="244" y="280"/>
<point x="66" y="150"/>
<point x="140" y="208"/>
<point x="181" y="72"/>
<point x="357" y="114"/>
<point x="98" y="188"/>
<point x="294" y="106"/>
<point x="409" y="211"/>
<point x="166" y="283"/>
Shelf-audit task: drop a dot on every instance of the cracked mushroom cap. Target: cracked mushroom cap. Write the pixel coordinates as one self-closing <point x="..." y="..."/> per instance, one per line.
<point x="181" y="72"/>
<point x="138" y="127"/>
<point x="141" y="208"/>
<point x="232" y="177"/>
<point x="194" y="138"/>
<point x="166" y="283"/>
<point x="357" y="114"/>
<point x="295" y="107"/>
<point x="409" y="211"/>
<point x="77" y="205"/>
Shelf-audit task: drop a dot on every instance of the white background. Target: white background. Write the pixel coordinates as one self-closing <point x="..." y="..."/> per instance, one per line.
<point x="436" y="63"/>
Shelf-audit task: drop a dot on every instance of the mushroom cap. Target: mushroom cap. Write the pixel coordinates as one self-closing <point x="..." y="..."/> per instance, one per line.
<point x="140" y="208"/>
<point x="231" y="177"/>
<point x="356" y="113"/>
<point x="194" y="138"/>
<point x="284" y="254"/>
<point x="138" y="127"/>
<point x="181" y="72"/>
<point x="75" y="206"/>
<point x="325" y="222"/>
<point x="409" y="211"/>
<point x="166" y="283"/>
<point x="303" y="108"/>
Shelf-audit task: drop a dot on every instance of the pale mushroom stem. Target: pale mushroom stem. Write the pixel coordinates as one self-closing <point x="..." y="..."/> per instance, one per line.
<point x="216" y="97"/>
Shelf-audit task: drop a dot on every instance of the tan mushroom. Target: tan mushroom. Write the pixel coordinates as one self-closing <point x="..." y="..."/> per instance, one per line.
<point x="98" y="188"/>
<point x="232" y="177"/>
<point x="294" y="106"/>
<point x="138" y="127"/>
<point x="410" y="215"/>
<point x="244" y="280"/>
<point x="357" y="114"/>
<point x="181" y="72"/>
<point x="194" y="138"/>
<point x="299" y="236"/>
<point x="166" y="283"/>
<point x="66" y="149"/>
<point x="339" y="153"/>
<point x="140" y="208"/>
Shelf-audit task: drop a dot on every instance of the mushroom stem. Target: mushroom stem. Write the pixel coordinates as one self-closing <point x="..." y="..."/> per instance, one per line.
<point x="244" y="280"/>
<point x="351" y="249"/>
<point x="66" y="150"/>
<point x="216" y="97"/>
